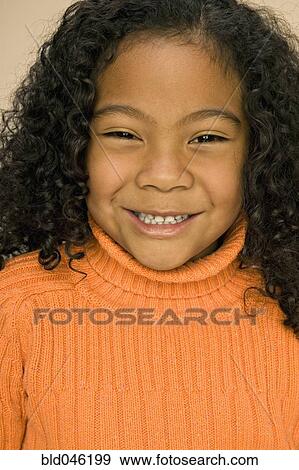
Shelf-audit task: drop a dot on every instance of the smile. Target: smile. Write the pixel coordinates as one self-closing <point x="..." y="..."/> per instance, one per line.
<point x="161" y="227"/>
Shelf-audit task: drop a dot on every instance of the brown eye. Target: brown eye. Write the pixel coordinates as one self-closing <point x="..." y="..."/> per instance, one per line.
<point x="205" y="141"/>
<point x="120" y="135"/>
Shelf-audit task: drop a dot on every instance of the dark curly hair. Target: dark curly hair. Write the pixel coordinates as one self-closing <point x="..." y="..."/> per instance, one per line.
<point x="44" y="137"/>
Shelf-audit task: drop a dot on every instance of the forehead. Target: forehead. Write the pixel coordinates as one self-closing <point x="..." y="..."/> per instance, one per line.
<point x="166" y="71"/>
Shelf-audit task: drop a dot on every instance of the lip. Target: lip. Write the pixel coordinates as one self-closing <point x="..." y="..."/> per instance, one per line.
<point x="161" y="230"/>
<point x="162" y="213"/>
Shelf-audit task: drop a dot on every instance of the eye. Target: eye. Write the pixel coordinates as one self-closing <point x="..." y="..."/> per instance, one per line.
<point x="128" y="136"/>
<point x="217" y="137"/>
<point x="121" y="135"/>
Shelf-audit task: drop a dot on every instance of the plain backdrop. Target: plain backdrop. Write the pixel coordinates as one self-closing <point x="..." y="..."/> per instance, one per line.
<point x="26" y="24"/>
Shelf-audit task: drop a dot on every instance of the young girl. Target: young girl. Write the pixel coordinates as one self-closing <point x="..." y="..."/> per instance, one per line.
<point x="149" y="232"/>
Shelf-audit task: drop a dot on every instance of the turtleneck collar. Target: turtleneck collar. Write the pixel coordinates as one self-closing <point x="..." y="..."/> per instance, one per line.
<point x="112" y="262"/>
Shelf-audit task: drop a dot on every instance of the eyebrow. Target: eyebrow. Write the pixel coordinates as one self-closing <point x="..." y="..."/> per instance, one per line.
<point x="190" y="118"/>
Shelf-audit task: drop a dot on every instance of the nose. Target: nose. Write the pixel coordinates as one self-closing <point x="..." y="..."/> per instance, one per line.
<point x="165" y="169"/>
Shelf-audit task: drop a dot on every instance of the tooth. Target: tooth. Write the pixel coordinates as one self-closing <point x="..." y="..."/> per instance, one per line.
<point x="158" y="218"/>
<point x="169" y="219"/>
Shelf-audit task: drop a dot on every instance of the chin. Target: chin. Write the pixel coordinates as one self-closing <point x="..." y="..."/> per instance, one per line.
<point x="167" y="266"/>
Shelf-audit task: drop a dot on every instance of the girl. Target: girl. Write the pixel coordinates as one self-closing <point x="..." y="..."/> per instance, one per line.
<point x="149" y="232"/>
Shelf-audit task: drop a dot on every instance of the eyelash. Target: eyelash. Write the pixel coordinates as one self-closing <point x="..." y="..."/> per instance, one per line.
<point x="115" y="134"/>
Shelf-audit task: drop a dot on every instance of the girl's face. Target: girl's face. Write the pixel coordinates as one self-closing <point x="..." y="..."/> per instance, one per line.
<point x="162" y="163"/>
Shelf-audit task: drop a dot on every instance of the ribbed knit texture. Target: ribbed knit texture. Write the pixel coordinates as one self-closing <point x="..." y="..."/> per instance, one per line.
<point x="119" y="366"/>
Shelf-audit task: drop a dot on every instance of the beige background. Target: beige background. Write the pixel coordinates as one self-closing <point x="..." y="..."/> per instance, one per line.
<point x="24" y="24"/>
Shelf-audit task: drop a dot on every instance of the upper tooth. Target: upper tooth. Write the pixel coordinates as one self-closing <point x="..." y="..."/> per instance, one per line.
<point x="160" y="218"/>
<point x="151" y="219"/>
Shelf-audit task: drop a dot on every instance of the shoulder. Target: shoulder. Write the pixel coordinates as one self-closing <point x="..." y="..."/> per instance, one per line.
<point x="24" y="282"/>
<point x="23" y="275"/>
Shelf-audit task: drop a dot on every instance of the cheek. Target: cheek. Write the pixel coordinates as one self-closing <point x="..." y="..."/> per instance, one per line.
<point x="104" y="176"/>
<point x="222" y="181"/>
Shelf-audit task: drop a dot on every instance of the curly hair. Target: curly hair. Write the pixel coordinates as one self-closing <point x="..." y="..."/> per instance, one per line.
<point x="44" y="137"/>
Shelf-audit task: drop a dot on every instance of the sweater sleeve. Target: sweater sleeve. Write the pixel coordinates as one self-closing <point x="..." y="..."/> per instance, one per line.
<point x="12" y="396"/>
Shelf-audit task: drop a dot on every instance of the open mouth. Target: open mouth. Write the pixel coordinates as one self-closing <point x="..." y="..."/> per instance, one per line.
<point x="161" y="220"/>
<point x="161" y="227"/>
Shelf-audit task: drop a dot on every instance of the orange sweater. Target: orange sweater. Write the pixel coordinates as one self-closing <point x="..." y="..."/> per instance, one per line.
<point x="137" y="374"/>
